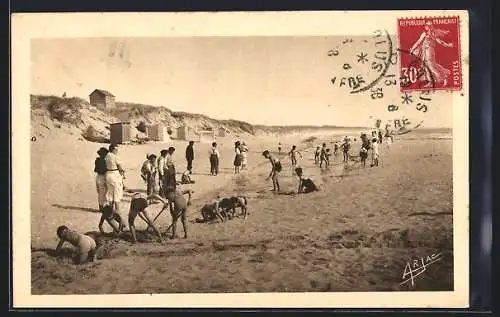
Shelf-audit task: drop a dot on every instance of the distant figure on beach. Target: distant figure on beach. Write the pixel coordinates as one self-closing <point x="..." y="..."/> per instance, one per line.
<point x="328" y="155"/>
<point x="244" y="151"/>
<point x="138" y="207"/>
<point x="100" y="177"/>
<point x="85" y="244"/>
<point x="279" y="148"/>
<point x="346" y="147"/>
<point x="214" y="160"/>
<point x="316" y="155"/>
<point x="170" y="169"/>
<point x="306" y="185"/>
<point x="148" y="174"/>
<point x="323" y="156"/>
<point x="336" y="148"/>
<point x="293" y="155"/>
<point x="190" y="156"/>
<point x="375" y="152"/>
<point x="237" y="157"/>
<point x="114" y="181"/>
<point x="161" y="171"/>
<point x="275" y="170"/>
<point x="365" y="147"/>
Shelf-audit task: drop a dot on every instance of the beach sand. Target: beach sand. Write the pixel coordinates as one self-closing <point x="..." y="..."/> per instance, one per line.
<point x="356" y="234"/>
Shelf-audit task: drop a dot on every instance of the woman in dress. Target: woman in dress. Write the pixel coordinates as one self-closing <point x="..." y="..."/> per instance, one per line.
<point x="100" y="177"/>
<point x="238" y="157"/>
<point x="244" y="151"/>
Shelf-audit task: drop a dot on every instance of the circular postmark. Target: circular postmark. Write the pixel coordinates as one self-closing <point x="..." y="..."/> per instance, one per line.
<point x="378" y="62"/>
<point x="375" y="75"/>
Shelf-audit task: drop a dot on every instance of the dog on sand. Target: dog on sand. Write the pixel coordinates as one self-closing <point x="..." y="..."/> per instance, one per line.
<point x="227" y="206"/>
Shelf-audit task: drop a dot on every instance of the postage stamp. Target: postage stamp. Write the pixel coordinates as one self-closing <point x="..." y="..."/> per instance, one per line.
<point x="430" y="53"/>
<point x="234" y="160"/>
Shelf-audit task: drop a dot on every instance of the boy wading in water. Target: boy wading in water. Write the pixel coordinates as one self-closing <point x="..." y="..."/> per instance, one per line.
<point x="306" y="185"/>
<point x="323" y="156"/>
<point x="85" y="244"/>
<point x="293" y="156"/>
<point x="346" y="147"/>
<point x="316" y="155"/>
<point x="276" y="169"/>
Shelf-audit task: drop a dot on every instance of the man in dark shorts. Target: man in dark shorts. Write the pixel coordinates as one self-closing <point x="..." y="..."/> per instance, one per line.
<point x="276" y="169"/>
<point x="138" y="207"/>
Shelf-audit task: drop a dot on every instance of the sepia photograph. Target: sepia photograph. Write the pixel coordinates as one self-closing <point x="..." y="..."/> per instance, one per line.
<point x="258" y="163"/>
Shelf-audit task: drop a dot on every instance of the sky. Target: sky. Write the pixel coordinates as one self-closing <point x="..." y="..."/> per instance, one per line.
<point x="260" y="80"/>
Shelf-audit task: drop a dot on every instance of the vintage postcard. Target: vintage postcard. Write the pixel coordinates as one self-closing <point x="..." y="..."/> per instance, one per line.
<point x="237" y="159"/>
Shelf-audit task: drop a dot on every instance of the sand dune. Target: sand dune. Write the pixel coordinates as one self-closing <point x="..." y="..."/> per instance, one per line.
<point x="356" y="234"/>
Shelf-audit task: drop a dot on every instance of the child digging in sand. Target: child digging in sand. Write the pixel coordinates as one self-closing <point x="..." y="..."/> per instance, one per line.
<point x="112" y="218"/>
<point x="178" y="208"/>
<point x="138" y="207"/>
<point x="85" y="245"/>
<point x="276" y="169"/>
<point x="306" y="185"/>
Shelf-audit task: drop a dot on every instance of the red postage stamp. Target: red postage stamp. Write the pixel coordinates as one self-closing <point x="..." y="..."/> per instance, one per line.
<point x="429" y="50"/>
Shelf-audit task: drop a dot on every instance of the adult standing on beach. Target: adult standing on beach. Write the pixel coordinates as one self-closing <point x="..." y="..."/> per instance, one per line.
<point x="170" y="181"/>
<point x="100" y="178"/>
<point x="237" y="157"/>
<point x="190" y="156"/>
<point x="114" y="181"/>
<point x="161" y="171"/>
<point x="214" y="160"/>
<point x="244" y="151"/>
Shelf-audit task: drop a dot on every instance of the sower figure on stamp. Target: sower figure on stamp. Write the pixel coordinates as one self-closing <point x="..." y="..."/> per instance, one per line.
<point x="425" y="49"/>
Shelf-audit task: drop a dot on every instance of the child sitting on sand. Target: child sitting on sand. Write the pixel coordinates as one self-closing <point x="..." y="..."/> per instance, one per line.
<point x="306" y="185"/>
<point x="186" y="178"/>
<point x="86" y="245"/>
<point x="210" y="211"/>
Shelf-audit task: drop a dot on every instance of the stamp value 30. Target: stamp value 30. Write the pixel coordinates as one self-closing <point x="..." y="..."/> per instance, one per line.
<point x="430" y="53"/>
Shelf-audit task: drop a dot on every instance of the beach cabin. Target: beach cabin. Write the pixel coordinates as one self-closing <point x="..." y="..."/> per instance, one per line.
<point x="102" y="99"/>
<point x="120" y="132"/>
<point x="206" y="136"/>
<point x="186" y="133"/>
<point x="222" y="132"/>
<point x="157" y="132"/>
